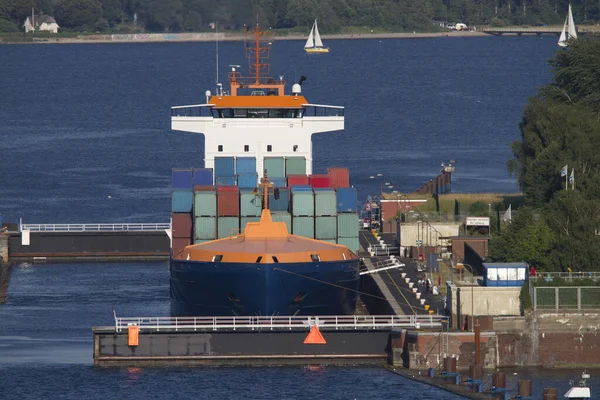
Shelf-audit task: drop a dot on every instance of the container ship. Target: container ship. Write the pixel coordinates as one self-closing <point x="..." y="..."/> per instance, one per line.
<point x="240" y="245"/>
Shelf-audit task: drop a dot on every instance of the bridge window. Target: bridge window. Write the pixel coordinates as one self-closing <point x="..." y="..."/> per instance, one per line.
<point x="269" y="147"/>
<point x="246" y="148"/>
<point x="295" y="147"/>
<point x="248" y="112"/>
<point x="220" y="147"/>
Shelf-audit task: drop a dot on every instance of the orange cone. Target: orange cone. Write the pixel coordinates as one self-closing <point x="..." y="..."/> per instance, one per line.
<point x="314" y="336"/>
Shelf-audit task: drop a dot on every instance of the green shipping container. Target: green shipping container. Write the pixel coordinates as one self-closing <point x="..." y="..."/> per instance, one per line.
<point x="245" y="220"/>
<point x="325" y="203"/>
<point x="205" y="204"/>
<point x="275" y="167"/>
<point x="347" y="225"/>
<point x="205" y="228"/>
<point x="282" y="216"/>
<point x="295" y="166"/>
<point x="350" y="243"/>
<point x="303" y="204"/>
<point x="250" y="203"/>
<point x="304" y="226"/>
<point x="325" y="227"/>
<point x="228" y="226"/>
<point x="329" y="240"/>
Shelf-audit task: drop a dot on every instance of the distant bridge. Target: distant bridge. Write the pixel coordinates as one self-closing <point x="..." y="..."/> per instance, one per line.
<point x="542" y="30"/>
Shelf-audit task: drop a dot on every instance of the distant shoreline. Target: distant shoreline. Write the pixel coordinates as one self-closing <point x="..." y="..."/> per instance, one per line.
<point x="230" y="37"/>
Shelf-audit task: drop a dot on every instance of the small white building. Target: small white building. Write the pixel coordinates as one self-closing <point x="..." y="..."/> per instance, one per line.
<point x="40" y="23"/>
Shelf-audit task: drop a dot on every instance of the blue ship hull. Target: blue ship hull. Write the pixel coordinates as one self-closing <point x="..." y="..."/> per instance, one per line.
<point x="311" y="288"/>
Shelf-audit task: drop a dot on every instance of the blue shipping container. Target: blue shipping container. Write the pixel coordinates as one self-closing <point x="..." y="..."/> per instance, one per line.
<point x="182" y="179"/>
<point x="181" y="201"/>
<point x="225" y="181"/>
<point x="281" y="204"/>
<point x="245" y="165"/>
<point x="346" y="200"/>
<point x="278" y="182"/>
<point x="248" y="181"/>
<point x="203" y="177"/>
<point x="224" y="166"/>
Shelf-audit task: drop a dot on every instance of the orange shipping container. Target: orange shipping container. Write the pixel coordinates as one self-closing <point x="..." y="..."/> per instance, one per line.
<point x="228" y="201"/>
<point x="181" y="225"/>
<point x="339" y="177"/>
<point x="178" y="244"/>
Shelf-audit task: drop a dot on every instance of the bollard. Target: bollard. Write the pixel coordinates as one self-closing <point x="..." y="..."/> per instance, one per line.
<point x="431" y="372"/>
<point x="550" y="394"/>
<point x="453" y="364"/>
<point x="524" y="388"/>
<point x="476" y="372"/>
<point x="446" y="364"/>
<point x="499" y="380"/>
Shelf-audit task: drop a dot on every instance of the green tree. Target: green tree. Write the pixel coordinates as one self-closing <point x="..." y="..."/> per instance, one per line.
<point x="77" y="14"/>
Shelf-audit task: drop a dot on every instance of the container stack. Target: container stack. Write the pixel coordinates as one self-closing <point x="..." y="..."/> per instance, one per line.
<point x="181" y="208"/>
<point x="303" y="211"/>
<point x="347" y="218"/>
<point x="208" y="206"/>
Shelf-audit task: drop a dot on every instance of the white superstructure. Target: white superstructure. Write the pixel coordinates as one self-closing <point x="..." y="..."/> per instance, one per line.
<point x="265" y="122"/>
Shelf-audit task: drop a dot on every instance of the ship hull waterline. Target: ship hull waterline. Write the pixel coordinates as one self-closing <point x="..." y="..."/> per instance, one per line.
<point x="308" y="288"/>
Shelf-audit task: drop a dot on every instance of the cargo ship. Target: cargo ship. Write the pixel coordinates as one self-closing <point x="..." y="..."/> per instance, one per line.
<point x="239" y="246"/>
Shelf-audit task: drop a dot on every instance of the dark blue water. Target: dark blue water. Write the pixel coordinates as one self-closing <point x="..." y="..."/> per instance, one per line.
<point x="85" y="137"/>
<point x="84" y="122"/>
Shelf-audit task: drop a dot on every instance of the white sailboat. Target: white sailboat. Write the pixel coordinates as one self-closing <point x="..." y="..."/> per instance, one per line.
<point x="314" y="43"/>
<point x="568" y="30"/>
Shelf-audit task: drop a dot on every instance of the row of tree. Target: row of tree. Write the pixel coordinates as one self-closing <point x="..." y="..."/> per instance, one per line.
<point x="335" y="15"/>
<point x="559" y="226"/>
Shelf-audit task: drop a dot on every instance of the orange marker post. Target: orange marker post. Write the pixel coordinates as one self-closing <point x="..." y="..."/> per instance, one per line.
<point x="133" y="332"/>
<point x="314" y="336"/>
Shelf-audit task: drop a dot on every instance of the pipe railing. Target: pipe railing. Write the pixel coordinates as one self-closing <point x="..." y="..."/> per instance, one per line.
<point x="333" y="322"/>
<point x="127" y="227"/>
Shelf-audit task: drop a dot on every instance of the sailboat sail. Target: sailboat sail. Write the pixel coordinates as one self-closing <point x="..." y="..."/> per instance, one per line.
<point x="572" y="31"/>
<point x="310" y="42"/>
<point x="568" y="31"/>
<point x="318" y="42"/>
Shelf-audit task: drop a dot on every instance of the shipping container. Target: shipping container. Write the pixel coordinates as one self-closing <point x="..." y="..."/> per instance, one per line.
<point x="224" y="166"/>
<point x="303" y="203"/>
<point x="203" y="177"/>
<point x="226" y="181"/>
<point x="182" y="178"/>
<point x="247" y="180"/>
<point x="205" y="203"/>
<point x="278" y="182"/>
<point x="319" y="181"/>
<point x="295" y="166"/>
<point x="275" y="167"/>
<point x="334" y="241"/>
<point x="182" y="201"/>
<point x="283" y="216"/>
<point x="181" y="225"/>
<point x="347" y="225"/>
<point x="351" y="243"/>
<point x="346" y="200"/>
<point x="205" y="228"/>
<point x="228" y="201"/>
<point x="178" y="244"/>
<point x="325" y="202"/>
<point x="339" y="177"/>
<point x="228" y="226"/>
<point x="297" y="180"/>
<point x="282" y="203"/>
<point x="245" y="165"/>
<point x="250" y="203"/>
<point x="245" y="220"/>
<point x="304" y="226"/>
<point x="325" y="227"/>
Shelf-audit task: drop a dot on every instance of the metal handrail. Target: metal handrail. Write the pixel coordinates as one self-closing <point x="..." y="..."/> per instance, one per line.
<point x="127" y="227"/>
<point x="332" y="322"/>
<point x="567" y="276"/>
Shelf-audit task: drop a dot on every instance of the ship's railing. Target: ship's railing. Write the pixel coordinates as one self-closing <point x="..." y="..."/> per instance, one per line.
<point x="332" y="322"/>
<point x="128" y="227"/>
<point x="192" y="110"/>
<point x="322" y="110"/>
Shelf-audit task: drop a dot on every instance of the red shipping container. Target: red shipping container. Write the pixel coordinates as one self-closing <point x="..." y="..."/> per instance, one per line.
<point x="339" y="177"/>
<point x="319" y="181"/>
<point x="228" y="201"/>
<point x="181" y="225"/>
<point x="179" y="244"/>
<point x="297" y="180"/>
